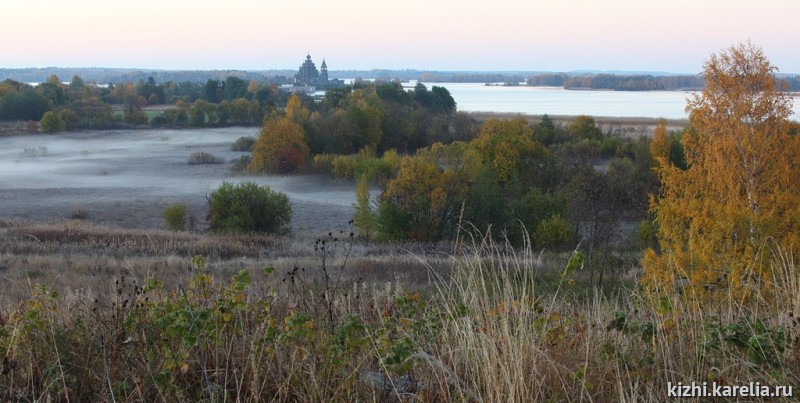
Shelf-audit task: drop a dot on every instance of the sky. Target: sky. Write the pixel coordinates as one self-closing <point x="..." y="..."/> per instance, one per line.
<point x="675" y="36"/>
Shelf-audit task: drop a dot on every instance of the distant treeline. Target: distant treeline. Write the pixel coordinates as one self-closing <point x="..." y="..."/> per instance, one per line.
<point x="471" y="78"/>
<point x="792" y="83"/>
<point x="633" y="82"/>
<point x="616" y="82"/>
<point x="116" y="75"/>
<point x="87" y="105"/>
<point x="350" y="117"/>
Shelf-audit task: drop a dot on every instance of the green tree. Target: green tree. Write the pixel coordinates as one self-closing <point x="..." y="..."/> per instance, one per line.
<point x="509" y="148"/>
<point x="213" y="91"/>
<point x="233" y="87"/>
<point x="422" y="96"/>
<point x="134" y="113"/>
<point x="555" y="233"/>
<point x="365" y="113"/>
<point x="175" y="217"/>
<point x="53" y="93"/>
<point x="240" y="111"/>
<point x="70" y="118"/>
<point x="583" y="127"/>
<point x="546" y="132"/>
<point x="200" y="113"/>
<point x="51" y="123"/>
<point x="441" y="100"/>
<point x="23" y="104"/>
<point x="530" y="210"/>
<point x="247" y="207"/>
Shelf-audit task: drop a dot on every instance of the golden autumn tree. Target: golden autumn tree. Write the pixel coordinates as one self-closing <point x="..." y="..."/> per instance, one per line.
<point x="741" y="186"/>
<point x="424" y="198"/>
<point x="661" y="143"/>
<point x="508" y="146"/>
<point x="281" y="147"/>
<point x="295" y="110"/>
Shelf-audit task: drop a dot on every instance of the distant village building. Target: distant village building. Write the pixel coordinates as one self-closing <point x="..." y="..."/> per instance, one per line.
<point x="307" y="74"/>
<point x="323" y="74"/>
<point x="308" y="79"/>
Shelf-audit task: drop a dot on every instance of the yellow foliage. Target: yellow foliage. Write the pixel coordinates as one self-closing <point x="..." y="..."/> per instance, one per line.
<point x="740" y="188"/>
<point x="456" y="155"/>
<point x="508" y="146"/>
<point x="277" y="136"/>
<point x="661" y="143"/>
<point x="295" y="111"/>
<point x="427" y="194"/>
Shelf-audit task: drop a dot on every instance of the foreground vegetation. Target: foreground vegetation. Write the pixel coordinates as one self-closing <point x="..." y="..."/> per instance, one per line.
<point x="498" y="325"/>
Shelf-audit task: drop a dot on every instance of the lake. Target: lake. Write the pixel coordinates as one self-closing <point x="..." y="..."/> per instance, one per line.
<point x="477" y="97"/>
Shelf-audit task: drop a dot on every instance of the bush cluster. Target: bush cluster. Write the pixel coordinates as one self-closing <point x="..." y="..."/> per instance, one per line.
<point x="248" y="207"/>
<point x="175" y="217"/>
<point x="244" y="143"/>
<point x="203" y="157"/>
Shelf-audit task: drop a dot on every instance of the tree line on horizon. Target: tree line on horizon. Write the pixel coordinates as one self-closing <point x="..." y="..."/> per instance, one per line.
<point x="233" y="101"/>
<point x="617" y="82"/>
<point x="81" y="105"/>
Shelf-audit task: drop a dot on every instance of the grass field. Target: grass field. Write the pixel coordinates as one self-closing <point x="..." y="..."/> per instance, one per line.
<point x="92" y="313"/>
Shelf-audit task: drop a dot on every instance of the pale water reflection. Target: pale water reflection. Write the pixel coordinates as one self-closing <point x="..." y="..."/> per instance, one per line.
<point x="476" y="97"/>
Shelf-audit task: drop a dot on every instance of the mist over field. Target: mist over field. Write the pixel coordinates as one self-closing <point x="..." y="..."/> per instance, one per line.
<point x="128" y="177"/>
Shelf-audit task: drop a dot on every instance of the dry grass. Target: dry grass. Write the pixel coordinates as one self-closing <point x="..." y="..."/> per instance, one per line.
<point x="481" y="322"/>
<point x="86" y="238"/>
<point x="548" y="346"/>
<point x="77" y="255"/>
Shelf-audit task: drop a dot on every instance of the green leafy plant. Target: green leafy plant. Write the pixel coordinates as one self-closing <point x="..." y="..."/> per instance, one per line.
<point x="175" y="217"/>
<point x="248" y="207"/>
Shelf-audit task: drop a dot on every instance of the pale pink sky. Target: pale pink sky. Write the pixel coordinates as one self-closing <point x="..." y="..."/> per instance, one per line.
<point x="548" y="35"/>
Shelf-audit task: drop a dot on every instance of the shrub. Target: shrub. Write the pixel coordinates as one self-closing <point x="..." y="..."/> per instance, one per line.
<point x="247" y="207"/>
<point x="391" y="222"/>
<point x="79" y="213"/>
<point x="343" y="167"/>
<point x="244" y="143"/>
<point x="240" y="165"/>
<point x="51" y="123"/>
<point x="33" y="151"/>
<point x="555" y="232"/>
<point x="358" y="165"/>
<point x="323" y="163"/>
<point x="175" y="217"/>
<point x="203" y="157"/>
<point x="646" y="235"/>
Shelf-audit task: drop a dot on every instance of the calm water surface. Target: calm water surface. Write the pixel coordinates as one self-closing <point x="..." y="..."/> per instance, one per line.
<point x="476" y="97"/>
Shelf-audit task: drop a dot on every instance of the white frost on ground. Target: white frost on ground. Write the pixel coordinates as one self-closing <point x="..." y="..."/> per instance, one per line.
<point x="127" y="177"/>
